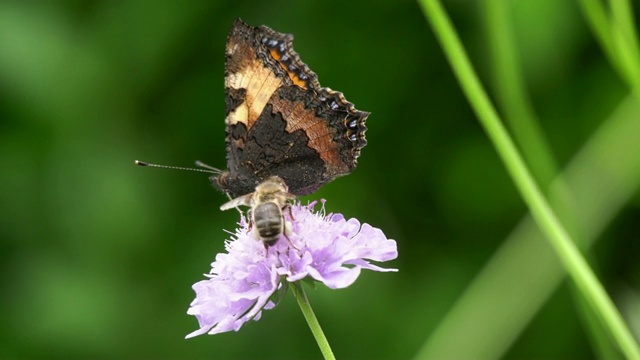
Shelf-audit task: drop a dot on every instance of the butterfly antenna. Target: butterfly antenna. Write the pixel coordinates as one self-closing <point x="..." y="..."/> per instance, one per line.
<point x="207" y="168"/>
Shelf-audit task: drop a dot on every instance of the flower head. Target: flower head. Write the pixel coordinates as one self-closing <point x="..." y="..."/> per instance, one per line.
<point x="325" y="248"/>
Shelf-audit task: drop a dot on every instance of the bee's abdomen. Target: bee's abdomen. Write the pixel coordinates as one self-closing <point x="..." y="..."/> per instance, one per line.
<point x="268" y="221"/>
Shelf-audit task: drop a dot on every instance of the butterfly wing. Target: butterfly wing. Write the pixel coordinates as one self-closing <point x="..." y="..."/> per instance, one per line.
<point x="279" y="120"/>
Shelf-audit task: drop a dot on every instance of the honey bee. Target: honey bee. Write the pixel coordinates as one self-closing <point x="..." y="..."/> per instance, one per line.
<point x="267" y="204"/>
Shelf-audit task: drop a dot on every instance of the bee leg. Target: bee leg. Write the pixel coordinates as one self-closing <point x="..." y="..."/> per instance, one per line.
<point x="237" y="208"/>
<point x="287" y="228"/>
<point x="266" y="249"/>
<point x="255" y="232"/>
<point x="288" y="207"/>
<point x="286" y="231"/>
<point x="250" y="217"/>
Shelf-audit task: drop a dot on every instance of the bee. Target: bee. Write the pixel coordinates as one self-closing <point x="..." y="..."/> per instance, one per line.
<point x="267" y="204"/>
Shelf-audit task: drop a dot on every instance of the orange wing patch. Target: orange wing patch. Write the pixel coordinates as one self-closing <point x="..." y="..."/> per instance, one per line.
<point x="292" y="74"/>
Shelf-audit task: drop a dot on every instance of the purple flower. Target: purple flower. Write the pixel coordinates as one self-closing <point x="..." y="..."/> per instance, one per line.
<point x="325" y="248"/>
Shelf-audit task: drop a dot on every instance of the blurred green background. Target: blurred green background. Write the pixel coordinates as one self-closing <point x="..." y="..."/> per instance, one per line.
<point x="98" y="256"/>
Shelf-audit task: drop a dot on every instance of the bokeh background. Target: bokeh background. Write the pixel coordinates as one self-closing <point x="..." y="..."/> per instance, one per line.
<point x="97" y="256"/>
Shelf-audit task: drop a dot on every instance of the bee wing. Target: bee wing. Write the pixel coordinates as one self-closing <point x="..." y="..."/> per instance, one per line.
<point x="240" y="200"/>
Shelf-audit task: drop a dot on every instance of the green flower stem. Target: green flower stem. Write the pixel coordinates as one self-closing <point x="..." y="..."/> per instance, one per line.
<point x="519" y="113"/>
<point x="596" y="16"/>
<point x="303" y="302"/>
<point x="511" y="94"/>
<point x="617" y="36"/>
<point x="514" y="269"/>
<point x="624" y="37"/>
<point x="521" y="120"/>
<point x="565" y="248"/>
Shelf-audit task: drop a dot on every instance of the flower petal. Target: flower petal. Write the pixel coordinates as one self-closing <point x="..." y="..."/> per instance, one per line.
<point x="326" y="248"/>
